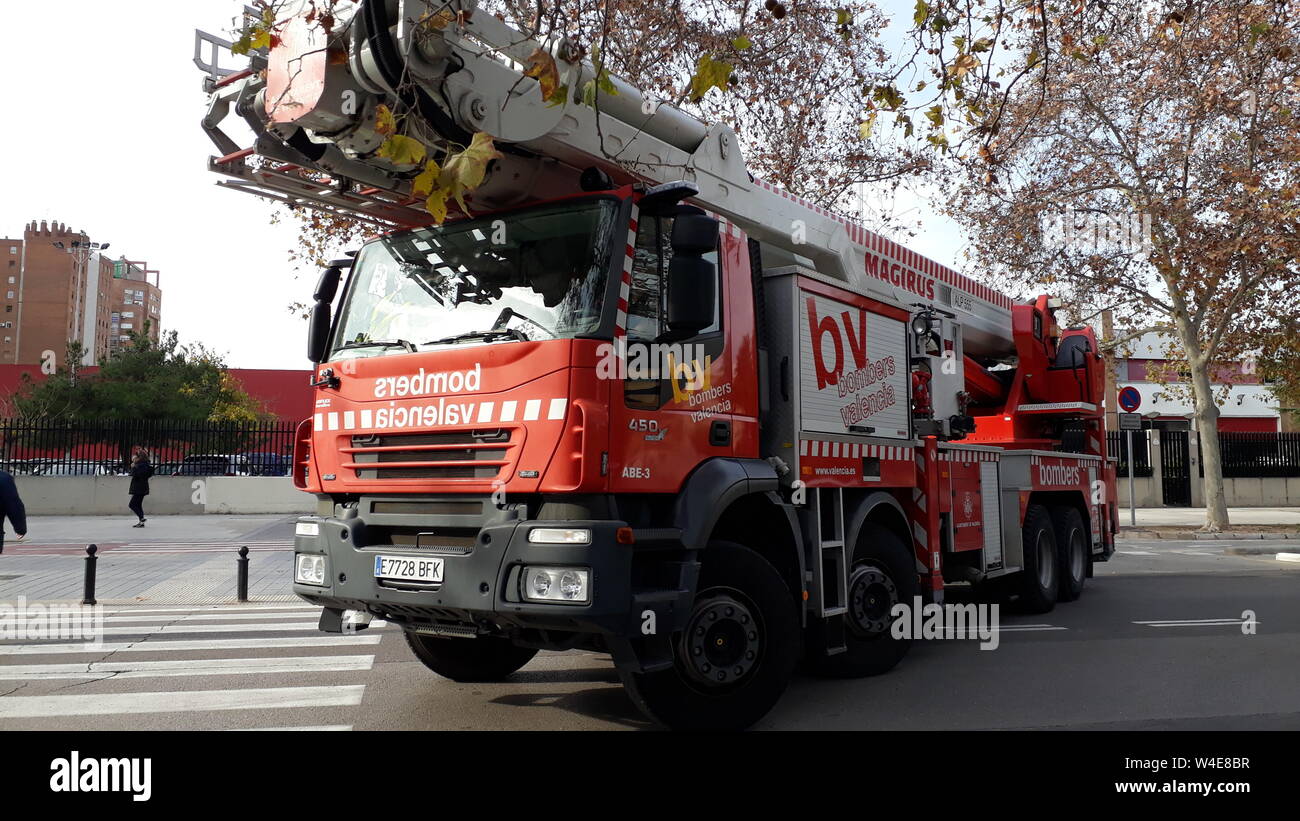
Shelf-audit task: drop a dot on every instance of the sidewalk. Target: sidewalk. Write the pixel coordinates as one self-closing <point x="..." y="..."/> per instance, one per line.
<point x="171" y="560"/>
<point x="1185" y="523"/>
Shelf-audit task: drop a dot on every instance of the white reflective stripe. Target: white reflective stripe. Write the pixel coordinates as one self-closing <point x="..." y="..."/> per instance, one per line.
<point x="332" y="420"/>
<point x="835" y="449"/>
<point x="556" y="411"/>
<point x="803" y="447"/>
<point x="349" y="420"/>
<point x="367" y="419"/>
<point x="485" y="411"/>
<point x="318" y="422"/>
<point x="181" y="701"/>
<point x="532" y="409"/>
<point x="508" y="410"/>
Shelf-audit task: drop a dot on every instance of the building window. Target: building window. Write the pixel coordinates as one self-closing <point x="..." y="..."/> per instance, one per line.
<point x="11" y="280"/>
<point x="126" y="326"/>
<point x="9" y="309"/>
<point x="11" y="295"/>
<point x="13" y="249"/>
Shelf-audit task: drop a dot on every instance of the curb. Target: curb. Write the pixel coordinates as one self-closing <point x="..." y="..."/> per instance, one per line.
<point x="1195" y="535"/>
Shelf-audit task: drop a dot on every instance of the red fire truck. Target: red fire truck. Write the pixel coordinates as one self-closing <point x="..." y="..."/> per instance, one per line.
<point x="637" y="400"/>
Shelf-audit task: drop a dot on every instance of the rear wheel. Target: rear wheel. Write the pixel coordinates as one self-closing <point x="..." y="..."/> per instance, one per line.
<point x="734" y="659"/>
<point x="1039" y="579"/>
<point x="476" y="659"/>
<point x="881" y="577"/>
<point x="1071" y="552"/>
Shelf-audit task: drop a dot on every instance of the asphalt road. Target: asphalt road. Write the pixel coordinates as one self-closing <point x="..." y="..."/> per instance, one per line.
<point x="1136" y="652"/>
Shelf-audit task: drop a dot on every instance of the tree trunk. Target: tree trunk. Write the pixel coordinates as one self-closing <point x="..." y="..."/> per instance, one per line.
<point x="1207" y="427"/>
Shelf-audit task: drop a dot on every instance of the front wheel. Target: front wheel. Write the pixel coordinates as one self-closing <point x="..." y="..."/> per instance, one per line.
<point x="476" y="659"/>
<point x="737" y="653"/>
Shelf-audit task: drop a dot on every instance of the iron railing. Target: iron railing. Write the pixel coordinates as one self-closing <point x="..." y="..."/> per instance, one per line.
<point x="46" y="447"/>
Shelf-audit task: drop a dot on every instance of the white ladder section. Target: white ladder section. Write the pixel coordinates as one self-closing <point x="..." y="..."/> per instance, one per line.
<point x="828" y="588"/>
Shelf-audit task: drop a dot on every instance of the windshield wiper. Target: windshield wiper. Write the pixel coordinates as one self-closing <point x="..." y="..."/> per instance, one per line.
<point x="514" y="333"/>
<point x="383" y="343"/>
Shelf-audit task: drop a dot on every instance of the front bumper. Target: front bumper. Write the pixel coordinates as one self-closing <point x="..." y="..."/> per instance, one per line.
<point x="480" y="592"/>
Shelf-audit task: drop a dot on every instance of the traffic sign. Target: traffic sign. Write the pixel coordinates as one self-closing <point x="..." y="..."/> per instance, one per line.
<point x="1130" y="421"/>
<point x="1129" y="399"/>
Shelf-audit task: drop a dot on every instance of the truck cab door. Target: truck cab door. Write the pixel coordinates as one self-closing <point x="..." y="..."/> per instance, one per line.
<point x="673" y="410"/>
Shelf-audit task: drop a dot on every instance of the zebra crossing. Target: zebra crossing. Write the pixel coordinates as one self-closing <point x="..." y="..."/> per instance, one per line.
<point x="267" y="664"/>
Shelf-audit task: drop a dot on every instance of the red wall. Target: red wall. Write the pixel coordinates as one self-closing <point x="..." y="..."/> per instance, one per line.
<point x="1248" y="424"/>
<point x="284" y="393"/>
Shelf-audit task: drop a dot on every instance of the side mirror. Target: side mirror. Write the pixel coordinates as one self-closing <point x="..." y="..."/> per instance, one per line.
<point x="692" y="279"/>
<point x="694" y="234"/>
<point x="328" y="284"/>
<point x="318" y="332"/>
<point x="692" y="295"/>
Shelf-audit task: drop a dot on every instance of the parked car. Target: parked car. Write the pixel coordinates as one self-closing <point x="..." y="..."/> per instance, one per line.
<point x="263" y="463"/>
<point x="208" y="464"/>
<point x="77" y="468"/>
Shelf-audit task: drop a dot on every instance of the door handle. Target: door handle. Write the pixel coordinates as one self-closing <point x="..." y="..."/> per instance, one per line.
<point x="720" y="433"/>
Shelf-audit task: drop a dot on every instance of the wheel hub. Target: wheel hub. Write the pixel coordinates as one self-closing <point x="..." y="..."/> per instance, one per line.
<point x="872" y="596"/>
<point x="722" y="641"/>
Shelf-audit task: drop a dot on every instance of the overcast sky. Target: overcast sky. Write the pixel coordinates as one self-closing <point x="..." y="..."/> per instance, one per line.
<point x="101" y="132"/>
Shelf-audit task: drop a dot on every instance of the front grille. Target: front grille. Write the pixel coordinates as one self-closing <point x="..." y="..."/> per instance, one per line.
<point x="478" y="454"/>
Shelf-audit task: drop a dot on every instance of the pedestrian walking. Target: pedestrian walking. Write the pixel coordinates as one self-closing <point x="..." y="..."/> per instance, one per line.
<point x="141" y="470"/>
<point x="11" y="508"/>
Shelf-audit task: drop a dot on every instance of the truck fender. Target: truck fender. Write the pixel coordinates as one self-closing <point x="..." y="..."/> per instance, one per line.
<point x="857" y="515"/>
<point x="711" y="489"/>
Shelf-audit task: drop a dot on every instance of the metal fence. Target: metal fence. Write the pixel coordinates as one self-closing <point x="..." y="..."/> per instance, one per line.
<point x="1117" y="445"/>
<point x="55" y="448"/>
<point x="1259" y="455"/>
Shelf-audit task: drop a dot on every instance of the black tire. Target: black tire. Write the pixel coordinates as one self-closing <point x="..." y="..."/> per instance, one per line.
<point x="1040" y="576"/>
<point x="882" y="574"/>
<point x="1071" y="552"/>
<point x="740" y="590"/>
<point x="476" y="659"/>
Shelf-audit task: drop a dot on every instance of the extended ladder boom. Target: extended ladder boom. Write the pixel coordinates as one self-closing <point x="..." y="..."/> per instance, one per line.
<point x="315" y="111"/>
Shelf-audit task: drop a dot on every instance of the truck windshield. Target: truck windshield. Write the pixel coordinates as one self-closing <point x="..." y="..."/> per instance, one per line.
<point x="536" y="274"/>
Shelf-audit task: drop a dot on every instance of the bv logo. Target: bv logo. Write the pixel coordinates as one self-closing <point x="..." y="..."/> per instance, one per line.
<point x="821" y="327"/>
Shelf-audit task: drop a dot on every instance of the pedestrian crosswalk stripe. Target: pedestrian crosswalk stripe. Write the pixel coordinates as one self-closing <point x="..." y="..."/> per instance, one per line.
<point x="88" y="617"/>
<point x="216" y="608"/>
<point x="324" y="728"/>
<point x="183" y="701"/>
<point x="292" y="614"/>
<point x="185" y="667"/>
<point x="155" y="629"/>
<point x="178" y="645"/>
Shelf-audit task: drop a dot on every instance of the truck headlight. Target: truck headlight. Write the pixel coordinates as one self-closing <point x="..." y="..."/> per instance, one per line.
<point x="307" y="529"/>
<point x="559" y="535"/>
<point x="309" y="569"/>
<point x="563" y="584"/>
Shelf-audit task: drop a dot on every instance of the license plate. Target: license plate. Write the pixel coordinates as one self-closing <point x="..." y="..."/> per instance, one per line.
<point x="408" y="568"/>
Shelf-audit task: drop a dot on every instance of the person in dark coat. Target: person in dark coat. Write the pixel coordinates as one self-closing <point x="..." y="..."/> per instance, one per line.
<point x="141" y="470"/>
<point x="11" y="507"/>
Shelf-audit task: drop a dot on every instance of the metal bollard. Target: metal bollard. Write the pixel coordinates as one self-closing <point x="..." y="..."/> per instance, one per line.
<point x="241" y="584"/>
<point x="89" y="593"/>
